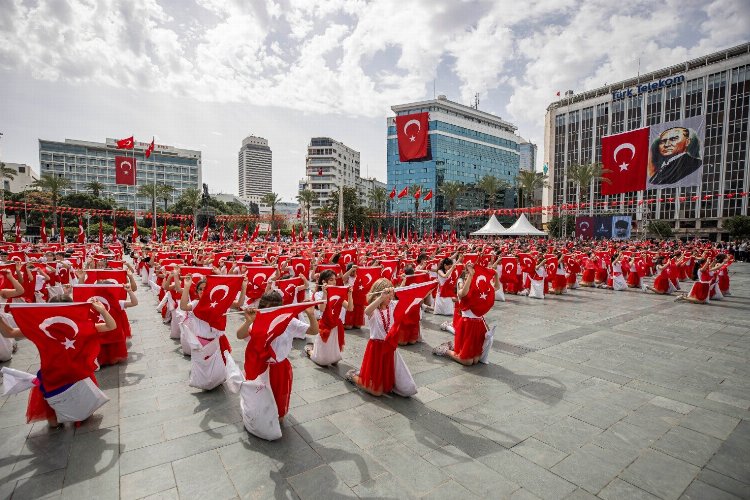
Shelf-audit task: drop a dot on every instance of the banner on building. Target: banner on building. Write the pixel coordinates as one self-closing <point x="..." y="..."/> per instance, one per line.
<point x="675" y="153"/>
<point x="411" y="134"/>
<point x="125" y="170"/>
<point x="603" y="226"/>
<point x="624" y="161"/>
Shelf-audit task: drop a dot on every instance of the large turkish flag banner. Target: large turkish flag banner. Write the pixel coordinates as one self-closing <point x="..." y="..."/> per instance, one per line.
<point x="125" y="170"/>
<point x="625" y="158"/>
<point x="411" y="132"/>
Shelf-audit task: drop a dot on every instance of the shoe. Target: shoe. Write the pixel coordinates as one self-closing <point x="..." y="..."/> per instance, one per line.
<point x="309" y="350"/>
<point x="350" y="376"/>
<point x="444" y="326"/>
<point x="442" y="349"/>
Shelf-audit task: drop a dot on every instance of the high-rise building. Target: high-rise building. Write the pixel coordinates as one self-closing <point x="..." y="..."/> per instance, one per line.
<point x="365" y="188"/>
<point x="714" y="90"/>
<point x="527" y="152"/>
<point x="328" y="165"/>
<point x="24" y="178"/>
<point x="465" y="144"/>
<point x="255" y="169"/>
<point x="83" y="162"/>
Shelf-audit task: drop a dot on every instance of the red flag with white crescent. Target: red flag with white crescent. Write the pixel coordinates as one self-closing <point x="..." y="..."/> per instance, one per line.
<point x="625" y="161"/>
<point x="43" y="232"/>
<point x="204" y="236"/>
<point x="409" y="306"/>
<point x="411" y="133"/>
<point x="150" y="148"/>
<point x="288" y="289"/>
<point x="365" y="277"/>
<point x="65" y="336"/>
<point x="257" y="278"/>
<point x="428" y="196"/>
<point x="125" y="170"/>
<point x="481" y="296"/>
<point x="300" y="266"/>
<point x="113" y="276"/>
<point x="220" y="292"/>
<point x="127" y="143"/>
<point x="101" y="234"/>
<point x="135" y="231"/>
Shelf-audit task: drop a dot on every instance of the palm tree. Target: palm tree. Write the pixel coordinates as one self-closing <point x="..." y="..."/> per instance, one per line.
<point x="271" y="199"/>
<point x="306" y="197"/>
<point x="528" y="182"/>
<point x="414" y="189"/>
<point x="5" y="173"/>
<point x="491" y="185"/>
<point x="379" y="198"/>
<point x="451" y="191"/>
<point x="164" y="192"/>
<point x="582" y="175"/>
<point x="54" y="185"/>
<point x="191" y="199"/>
<point x="150" y="191"/>
<point x="95" y="187"/>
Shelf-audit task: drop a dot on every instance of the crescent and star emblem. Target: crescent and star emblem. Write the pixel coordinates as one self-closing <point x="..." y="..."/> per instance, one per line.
<point x="54" y="320"/>
<point x="412" y="138"/>
<point x="624" y="165"/>
<point x="508" y="267"/>
<point x="223" y="288"/>
<point x="584" y="225"/>
<point x="129" y="167"/>
<point x="276" y="322"/>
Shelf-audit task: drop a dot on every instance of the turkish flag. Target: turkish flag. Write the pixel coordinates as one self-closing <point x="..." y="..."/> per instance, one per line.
<point x="332" y="313"/>
<point x="234" y="234"/>
<point x="257" y="277"/>
<point x="221" y="234"/>
<point x="418" y="193"/>
<point x="255" y="232"/>
<point x="101" y="234"/>
<point x="44" y="231"/>
<point x="66" y="337"/>
<point x="164" y="232"/>
<point x="135" y="231"/>
<point x="585" y="227"/>
<point x="411" y="132"/>
<point x="393" y="193"/>
<point x="220" y="292"/>
<point x="125" y="170"/>
<point x="403" y="193"/>
<point x="428" y="196"/>
<point x="390" y="269"/>
<point x="300" y="266"/>
<point x="204" y="236"/>
<point x="110" y="296"/>
<point x="625" y="157"/>
<point x="509" y="266"/>
<point x="126" y="143"/>
<point x="481" y="296"/>
<point x="119" y="276"/>
<point x="18" y="229"/>
<point x="150" y="148"/>
<point x="288" y="287"/>
<point x="408" y="306"/>
<point x="268" y="324"/>
<point x="346" y="257"/>
<point x="366" y="276"/>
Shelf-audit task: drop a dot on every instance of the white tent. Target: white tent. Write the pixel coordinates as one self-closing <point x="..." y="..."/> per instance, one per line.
<point x="492" y="228"/>
<point x="522" y="227"/>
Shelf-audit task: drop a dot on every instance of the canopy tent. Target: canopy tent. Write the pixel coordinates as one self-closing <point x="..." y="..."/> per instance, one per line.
<point x="522" y="227"/>
<point x="492" y="228"/>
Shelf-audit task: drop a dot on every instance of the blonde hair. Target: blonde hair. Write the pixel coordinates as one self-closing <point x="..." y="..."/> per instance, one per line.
<point x="379" y="285"/>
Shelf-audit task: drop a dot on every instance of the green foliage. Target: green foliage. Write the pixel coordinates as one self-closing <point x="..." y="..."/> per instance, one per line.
<point x="555" y="225"/>
<point x="738" y="226"/>
<point x="355" y="214"/>
<point x="491" y="185"/>
<point x="659" y="229"/>
<point x="528" y="182"/>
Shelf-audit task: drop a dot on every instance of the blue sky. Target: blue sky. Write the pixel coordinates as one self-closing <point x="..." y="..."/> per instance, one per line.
<point x="203" y="74"/>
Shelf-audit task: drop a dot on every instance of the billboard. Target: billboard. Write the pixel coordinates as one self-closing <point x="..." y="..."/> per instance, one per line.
<point x="618" y="227"/>
<point x="675" y="153"/>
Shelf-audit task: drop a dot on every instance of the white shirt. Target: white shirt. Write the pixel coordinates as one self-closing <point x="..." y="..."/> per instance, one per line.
<point x="375" y="322"/>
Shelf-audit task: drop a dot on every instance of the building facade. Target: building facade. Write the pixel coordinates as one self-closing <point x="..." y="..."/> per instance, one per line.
<point x="716" y="86"/>
<point x="23" y="180"/>
<point x="83" y="162"/>
<point x="255" y="169"/>
<point x="328" y="165"/>
<point x="527" y="156"/>
<point x="465" y="144"/>
<point x="365" y="188"/>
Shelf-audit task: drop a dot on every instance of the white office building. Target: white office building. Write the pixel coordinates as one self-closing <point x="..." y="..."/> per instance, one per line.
<point x="255" y="169"/>
<point x="23" y="179"/>
<point x="329" y="164"/>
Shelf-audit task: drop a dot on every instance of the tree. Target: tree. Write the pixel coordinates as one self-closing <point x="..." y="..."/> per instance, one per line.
<point x="164" y="192"/>
<point x="555" y="225"/>
<point x="738" y="226"/>
<point x="660" y="229"/>
<point x="188" y="202"/>
<point x="5" y="173"/>
<point x="491" y="185"/>
<point x="355" y="214"/>
<point x="54" y="185"/>
<point x="271" y="199"/>
<point x="451" y="190"/>
<point x="379" y="198"/>
<point x="528" y="182"/>
<point x="306" y="197"/>
<point x="149" y="191"/>
<point x="583" y="174"/>
<point x="95" y="187"/>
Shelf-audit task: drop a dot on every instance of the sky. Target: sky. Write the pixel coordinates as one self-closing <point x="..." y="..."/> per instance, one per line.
<point x="204" y="74"/>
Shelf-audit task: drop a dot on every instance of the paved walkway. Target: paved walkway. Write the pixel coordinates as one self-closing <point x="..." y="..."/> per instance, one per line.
<point x="593" y="394"/>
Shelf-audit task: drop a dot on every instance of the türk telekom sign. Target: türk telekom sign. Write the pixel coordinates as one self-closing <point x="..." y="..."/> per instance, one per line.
<point x="645" y="87"/>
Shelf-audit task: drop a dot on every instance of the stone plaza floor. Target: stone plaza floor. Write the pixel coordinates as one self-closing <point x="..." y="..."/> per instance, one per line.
<point x="595" y="394"/>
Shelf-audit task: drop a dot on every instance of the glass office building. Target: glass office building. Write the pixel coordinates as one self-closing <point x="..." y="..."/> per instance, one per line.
<point x="465" y="144"/>
<point x="716" y="86"/>
<point x="82" y="162"/>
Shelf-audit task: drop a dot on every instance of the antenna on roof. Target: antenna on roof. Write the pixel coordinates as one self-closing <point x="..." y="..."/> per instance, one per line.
<point x="476" y="101"/>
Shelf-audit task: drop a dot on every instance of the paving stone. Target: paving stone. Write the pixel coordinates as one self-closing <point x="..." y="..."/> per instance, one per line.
<point x="351" y="464"/>
<point x="147" y="482"/>
<point x="316" y="429"/>
<point x="480" y="479"/>
<point x="620" y="490"/>
<point x="450" y="490"/>
<point x="671" y="404"/>
<point x="568" y="434"/>
<point x="529" y="475"/>
<point x="591" y="467"/>
<point x="660" y="474"/>
<point x="397" y="458"/>
<point x="600" y="414"/>
<point x="539" y="452"/>
<point x="93" y="468"/>
<point x="699" y="490"/>
<point x="710" y="423"/>
<point x="732" y="459"/>
<point x="724" y="483"/>
<point x="690" y="446"/>
<point x="203" y="475"/>
<point x="39" y="486"/>
<point x="383" y="486"/>
<point x="319" y="483"/>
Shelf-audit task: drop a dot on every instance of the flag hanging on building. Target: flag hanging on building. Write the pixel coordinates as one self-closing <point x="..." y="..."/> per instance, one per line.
<point x="125" y="170"/>
<point x="625" y="160"/>
<point x="411" y="133"/>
